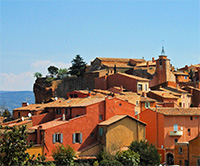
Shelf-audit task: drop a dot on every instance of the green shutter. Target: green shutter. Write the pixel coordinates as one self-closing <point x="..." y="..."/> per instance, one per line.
<point x="81" y="138"/>
<point x="54" y="138"/>
<point x="101" y="131"/>
<point x="61" y="138"/>
<point x="74" y="138"/>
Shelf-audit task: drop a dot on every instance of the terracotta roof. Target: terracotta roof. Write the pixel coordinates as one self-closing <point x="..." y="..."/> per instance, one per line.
<point x="134" y="77"/>
<point x="177" y="111"/>
<point x="143" y="99"/>
<point x="181" y="73"/>
<point x="49" y="124"/>
<point x="122" y="65"/>
<point x="75" y="102"/>
<point x="114" y="59"/>
<point x="164" y="94"/>
<point x="116" y="118"/>
<point x="143" y="64"/>
<point x="31" y="107"/>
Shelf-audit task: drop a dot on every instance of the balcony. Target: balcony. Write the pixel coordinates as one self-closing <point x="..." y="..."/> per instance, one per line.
<point x="176" y="133"/>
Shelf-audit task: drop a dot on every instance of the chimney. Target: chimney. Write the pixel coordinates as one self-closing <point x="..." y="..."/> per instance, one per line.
<point x="121" y="88"/>
<point x="63" y="118"/>
<point x="24" y="104"/>
<point x="89" y="93"/>
<point x="153" y="60"/>
<point x="147" y="63"/>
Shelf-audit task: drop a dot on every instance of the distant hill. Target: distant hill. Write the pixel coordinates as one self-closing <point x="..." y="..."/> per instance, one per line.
<point x="14" y="99"/>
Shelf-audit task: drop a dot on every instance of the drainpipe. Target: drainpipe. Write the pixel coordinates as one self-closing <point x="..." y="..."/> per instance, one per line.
<point x="157" y="127"/>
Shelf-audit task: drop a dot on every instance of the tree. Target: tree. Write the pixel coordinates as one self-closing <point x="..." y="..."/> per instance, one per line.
<point x="13" y="144"/>
<point x="191" y="75"/>
<point x="64" y="155"/>
<point x="128" y="157"/>
<point x="78" y="66"/>
<point x="52" y="70"/>
<point x="6" y="113"/>
<point x="37" y="75"/>
<point x="148" y="153"/>
<point x="62" y="73"/>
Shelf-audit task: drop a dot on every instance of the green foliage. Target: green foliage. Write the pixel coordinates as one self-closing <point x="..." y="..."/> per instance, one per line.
<point x="128" y="157"/>
<point x="36" y="161"/>
<point x="52" y="70"/>
<point x="13" y="144"/>
<point x="78" y="66"/>
<point x="49" y="79"/>
<point x="105" y="156"/>
<point x="148" y="153"/>
<point x="191" y="75"/>
<point x="37" y="75"/>
<point x="62" y="73"/>
<point x="110" y="163"/>
<point x="63" y="155"/>
<point x="6" y="113"/>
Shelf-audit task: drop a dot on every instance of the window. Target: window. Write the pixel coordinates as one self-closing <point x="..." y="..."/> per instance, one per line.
<point x="58" y="111"/>
<point x="137" y="103"/>
<point x="147" y="104"/>
<point x="175" y="127"/>
<point x="185" y="77"/>
<point x="160" y="61"/>
<point x="92" y="135"/>
<point x="71" y="95"/>
<point x="120" y="104"/>
<point x="180" y="162"/>
<point x="100" y="131"/>
<point x="176" y="140"/>
<point x="100" y="117"/>
<point x="139" y="87"/>
<point x="189" y="132"/>
<point x="180" y="150"/>
<point x="66" y="111"/>
<point x="183" y="104"/>
<point x="19" y="115"/>
<point x="145" y="87"/>
<point x="191" y="118"/>
<point x="58" y="137"/>
<point x="77" y="138"/>
<point x="75" y="95"/>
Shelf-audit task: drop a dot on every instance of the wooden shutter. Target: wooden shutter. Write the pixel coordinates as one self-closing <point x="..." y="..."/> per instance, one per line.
<point x="81" y="139"/>
<point x="74" y="138"/>
<point x="54" y="138"/>
<point x="61" y="138"/>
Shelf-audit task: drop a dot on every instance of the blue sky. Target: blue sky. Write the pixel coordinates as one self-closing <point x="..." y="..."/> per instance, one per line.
<point x="35" y="34"/>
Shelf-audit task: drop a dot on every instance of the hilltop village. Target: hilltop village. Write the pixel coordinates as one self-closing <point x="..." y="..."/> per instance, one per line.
<point x="118" y="101"/>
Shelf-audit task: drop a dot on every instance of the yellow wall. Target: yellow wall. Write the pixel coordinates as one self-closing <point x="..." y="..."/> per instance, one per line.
<point x="123" y="132"/>
<point x="36" y="150"/>
<point x="93" y="151"/>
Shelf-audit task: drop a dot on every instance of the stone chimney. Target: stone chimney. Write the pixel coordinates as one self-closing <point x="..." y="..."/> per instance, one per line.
<point x="24" y="104"/>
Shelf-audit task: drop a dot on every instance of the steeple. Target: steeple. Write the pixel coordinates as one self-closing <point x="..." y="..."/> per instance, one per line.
<point x="163" y="51"/>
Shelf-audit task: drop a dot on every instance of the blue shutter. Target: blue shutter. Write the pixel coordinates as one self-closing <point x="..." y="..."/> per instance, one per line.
<point x="54" y="138"/>
<point x="61" y="138"/>
<point x="100" y="131"/>
<point x="81" y="138"/>
<point x="74" y="139"/>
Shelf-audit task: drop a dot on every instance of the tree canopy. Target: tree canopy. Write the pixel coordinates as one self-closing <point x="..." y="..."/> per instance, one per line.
<point x="78" y="66"/>
<point x="63" y="155"/>
<point x="148" y="153"/>
<point x="37" y="75"/>
<point x="62" y="73"/>
<point x="52" y="70"/>
<point x="13" y="144"/>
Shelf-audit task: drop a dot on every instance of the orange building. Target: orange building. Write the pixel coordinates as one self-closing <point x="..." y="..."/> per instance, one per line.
<point x="75" y="122"/>
<point x="163" y="72"/>
<point x="129" y="82"/>
<point x="167" y="126"/>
